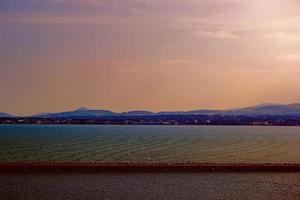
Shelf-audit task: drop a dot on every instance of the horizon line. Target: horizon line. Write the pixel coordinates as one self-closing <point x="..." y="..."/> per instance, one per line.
<point x="132" y="110"/>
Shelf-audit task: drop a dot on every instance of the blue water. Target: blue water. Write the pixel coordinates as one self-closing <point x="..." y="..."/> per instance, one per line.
<point x="86" y="143"/>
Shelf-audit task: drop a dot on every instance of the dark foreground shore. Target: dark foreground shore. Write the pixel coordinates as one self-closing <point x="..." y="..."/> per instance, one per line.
<point x="147" y="167"/>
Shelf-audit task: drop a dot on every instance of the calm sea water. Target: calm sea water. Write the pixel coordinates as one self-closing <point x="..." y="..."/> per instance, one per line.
<point x="149" y="144"/>
<point x="151" y="186"/>
<point x="30" y="143"/>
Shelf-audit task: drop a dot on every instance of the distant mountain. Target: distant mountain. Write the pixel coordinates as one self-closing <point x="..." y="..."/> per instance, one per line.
<point x="204" y="112"/>
<point x="266" y="109"/>
<point x="79" y="113"/>
<point x="137" y="112"/>
<point x="2" y="114"/>
<point x="261" y="109"/>
<point x="192" y="112"/>
<point x="171" y="113"/>
<point x="41" y="114"/>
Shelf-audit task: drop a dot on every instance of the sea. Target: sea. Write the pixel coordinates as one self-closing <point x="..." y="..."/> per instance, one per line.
<point x="153" y="144"/>
<point x="149" y="144"/>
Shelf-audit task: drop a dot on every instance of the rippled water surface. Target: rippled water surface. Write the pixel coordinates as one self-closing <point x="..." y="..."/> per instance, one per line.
<point x="151" y="186"/>
<point x="149" y="144"/>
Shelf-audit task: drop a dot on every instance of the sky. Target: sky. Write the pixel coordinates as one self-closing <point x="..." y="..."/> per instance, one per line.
<point x="58" y="55"/>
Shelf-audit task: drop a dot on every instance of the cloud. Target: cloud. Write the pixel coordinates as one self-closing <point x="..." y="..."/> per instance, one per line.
<point x="283" y="35"/>
<point x="121" y="7"/>
<point x="218" y="34"/>
<point x="65" y="20"/>
<point x="289" y="57"/>
<point x="177" y="62"/>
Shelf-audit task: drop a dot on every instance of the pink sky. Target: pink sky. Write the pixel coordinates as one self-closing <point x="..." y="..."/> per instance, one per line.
<point x="156" y="55"/>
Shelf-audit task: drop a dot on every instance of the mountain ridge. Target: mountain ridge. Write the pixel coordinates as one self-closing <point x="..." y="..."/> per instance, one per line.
<point x="3" y="114"/>
<point x="260" y="109"/>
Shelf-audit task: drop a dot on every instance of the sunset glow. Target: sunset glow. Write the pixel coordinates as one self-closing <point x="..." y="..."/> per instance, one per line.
<point x="147" y="54"/>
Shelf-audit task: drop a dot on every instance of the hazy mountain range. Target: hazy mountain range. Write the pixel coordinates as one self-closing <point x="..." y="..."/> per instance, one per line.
<point x="261" y="109"/>
<point x="2" y="114"/>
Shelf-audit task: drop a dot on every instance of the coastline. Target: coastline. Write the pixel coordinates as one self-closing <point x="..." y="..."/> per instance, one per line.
<point x="166" y="119"/>
<point x="148" y="167"/>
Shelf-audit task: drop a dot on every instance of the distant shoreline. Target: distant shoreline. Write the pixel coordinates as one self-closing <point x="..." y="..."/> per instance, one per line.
<point x="226" y="125"/>
<point x="147" y="167"/>
<point x="197" y="120"/>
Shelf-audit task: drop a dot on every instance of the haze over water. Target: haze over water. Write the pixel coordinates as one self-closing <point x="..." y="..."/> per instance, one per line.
<point x="159" y="144"/>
